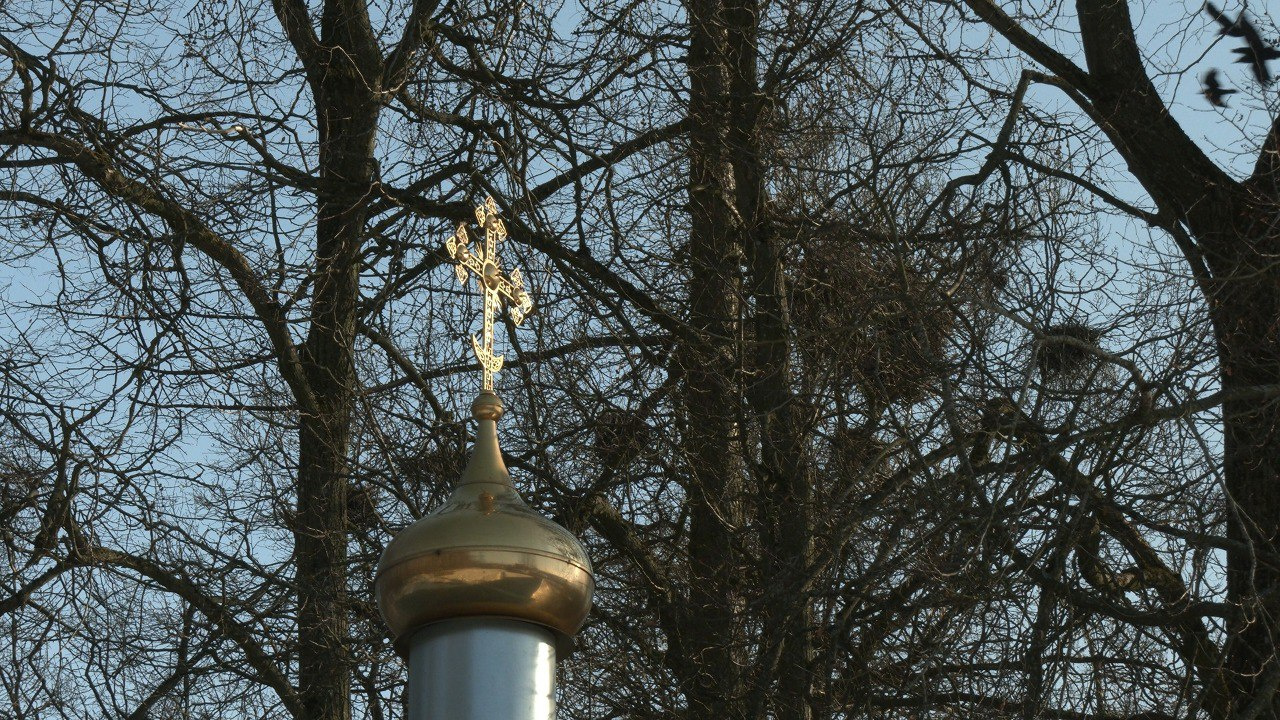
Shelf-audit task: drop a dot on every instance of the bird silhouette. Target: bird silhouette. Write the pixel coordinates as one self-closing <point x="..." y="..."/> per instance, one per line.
<point x="1213" y="90"/>
<point x="1256" y="57"/>
<point x="1266" y="53"/>
<point x="1256" y="52"/>
<point x="1229" y="26"/>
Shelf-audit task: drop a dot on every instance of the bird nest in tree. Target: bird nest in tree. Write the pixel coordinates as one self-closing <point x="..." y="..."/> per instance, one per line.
<point x="859" y="455"/>
<point x="863" y="319"/>
<point x="1067" y="349"/>
<point x="620" y="435"/>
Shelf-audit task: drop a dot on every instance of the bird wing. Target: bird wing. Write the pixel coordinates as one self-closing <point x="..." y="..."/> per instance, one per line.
<point x="1229" y="26"/>
<point x="1257" y="64"/>
<point x="1250" y="34"/>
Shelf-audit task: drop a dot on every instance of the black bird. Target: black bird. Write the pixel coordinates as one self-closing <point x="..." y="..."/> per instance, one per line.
<point x="1256" y="57"/>
<point x="1229" y="26"/>
<point x="1268" y="53"/>
<point x="1256" y="52"/>
<point x="1213" y="90"/>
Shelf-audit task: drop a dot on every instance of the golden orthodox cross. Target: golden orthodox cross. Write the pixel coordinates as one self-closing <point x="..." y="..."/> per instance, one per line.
<point x="483" y="263"/>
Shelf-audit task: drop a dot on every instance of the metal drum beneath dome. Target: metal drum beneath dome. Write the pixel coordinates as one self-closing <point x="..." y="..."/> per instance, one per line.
<point x="482" y="669"/>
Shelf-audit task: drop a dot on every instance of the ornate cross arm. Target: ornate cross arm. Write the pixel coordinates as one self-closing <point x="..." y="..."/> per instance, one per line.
<point x="483" y="264"/>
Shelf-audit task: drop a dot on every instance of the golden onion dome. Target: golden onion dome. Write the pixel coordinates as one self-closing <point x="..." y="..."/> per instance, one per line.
<point x="484" y="552"/>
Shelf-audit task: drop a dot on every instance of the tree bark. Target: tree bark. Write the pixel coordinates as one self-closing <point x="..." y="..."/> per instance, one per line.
<point x="712" y="637"/>
<point x="735" y="252"/>
<point x="1246" y="317"/>
<point x="785" y="478"/>
<point x="345" y="92"/>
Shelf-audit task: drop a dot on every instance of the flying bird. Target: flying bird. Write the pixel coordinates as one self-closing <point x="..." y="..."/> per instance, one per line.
<point x="1267" y="52"/>
<point x="1229" y="26"/>
<point x="1256" y="52"/>
<point x="1256" y="58"/>
<point x="1213" y="90"/>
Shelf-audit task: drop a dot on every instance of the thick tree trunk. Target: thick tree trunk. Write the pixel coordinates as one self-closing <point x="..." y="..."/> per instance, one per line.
<point x="712" y="637"/>
<point x="731" y="224"/>
<point x="1245" y="303"/>
<point x="785" y="478"/>
<point x="785" y="497"/>
<point x="348" y="118"/>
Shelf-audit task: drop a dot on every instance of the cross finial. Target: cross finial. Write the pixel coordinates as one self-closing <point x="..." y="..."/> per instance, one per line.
<point x="483" y="263"/>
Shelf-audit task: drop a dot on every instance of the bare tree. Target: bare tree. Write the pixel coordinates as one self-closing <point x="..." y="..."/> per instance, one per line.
<point x="830" y="367"/>
<point x="204" y="191"/>
<point x="1223" y="227"/>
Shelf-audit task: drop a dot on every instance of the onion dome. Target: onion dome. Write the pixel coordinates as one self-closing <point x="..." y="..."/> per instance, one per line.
<point x="484" y="553"/>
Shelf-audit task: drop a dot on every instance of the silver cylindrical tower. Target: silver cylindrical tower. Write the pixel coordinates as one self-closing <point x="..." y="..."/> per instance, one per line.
<point x="482" y="593"/>
<point x="482" y="668"/>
